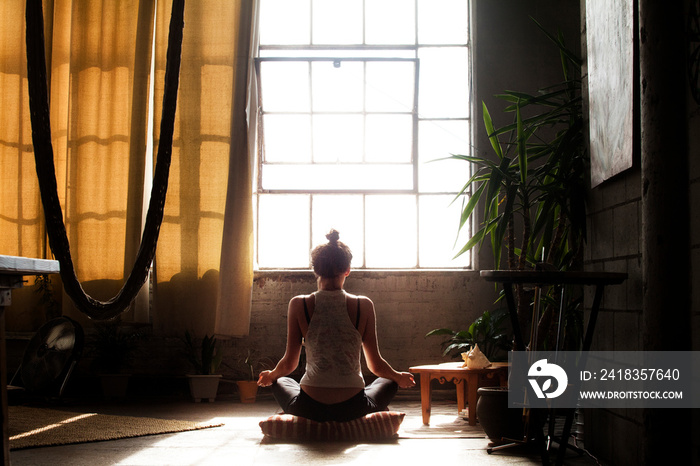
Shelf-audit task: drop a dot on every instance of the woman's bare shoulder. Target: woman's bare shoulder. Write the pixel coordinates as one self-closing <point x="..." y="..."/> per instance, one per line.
<point x="365" y="302"/>
<point x="298" y="300"/>
<point x="359" y="296"/>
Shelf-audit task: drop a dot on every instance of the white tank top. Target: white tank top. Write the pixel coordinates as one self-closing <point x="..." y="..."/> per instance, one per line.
<point x="333" y="344"/>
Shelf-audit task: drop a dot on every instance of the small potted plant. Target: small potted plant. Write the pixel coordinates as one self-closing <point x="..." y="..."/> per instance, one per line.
<point x="206" y="359"/>
<point x="487" y="331"/>
<point x="114" y="348"/>
<point x="248" y="383"/>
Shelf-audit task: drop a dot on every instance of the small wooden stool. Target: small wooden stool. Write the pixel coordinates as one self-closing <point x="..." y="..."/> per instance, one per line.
<point x="467" y="381"/>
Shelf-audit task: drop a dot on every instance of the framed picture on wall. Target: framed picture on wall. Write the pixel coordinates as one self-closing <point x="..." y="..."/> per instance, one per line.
<point x="610" y="44"/>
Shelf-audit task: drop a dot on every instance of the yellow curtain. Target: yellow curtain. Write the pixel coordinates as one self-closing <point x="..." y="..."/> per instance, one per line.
<point x="21" y="216"/>
<point x="97" y="61"/>
<point x="99" y="56"/>
<point x="99" y="108"/>
<point x="203" y="265"/>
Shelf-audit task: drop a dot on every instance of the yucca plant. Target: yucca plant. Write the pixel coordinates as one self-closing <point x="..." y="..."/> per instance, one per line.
<point x="205" y="357"/>
<point x="537" y="178"/>
<point x="537" y="175"/>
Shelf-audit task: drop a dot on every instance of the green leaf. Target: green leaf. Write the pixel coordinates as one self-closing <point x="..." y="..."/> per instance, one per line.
<point x="560" y="43"/>
<point x="440" y="331"/>
<point x="473" y="241"/>
<point x="471" y="204"/>
<point x="488" y="123"/>
<point x="500" y="233"/>
<point x="522" y="151"/>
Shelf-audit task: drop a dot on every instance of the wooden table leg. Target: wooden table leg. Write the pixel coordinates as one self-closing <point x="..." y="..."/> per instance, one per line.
<point x="472" y="396"/>
<point x="461" y="387"/>
<point x="425" y="394"/>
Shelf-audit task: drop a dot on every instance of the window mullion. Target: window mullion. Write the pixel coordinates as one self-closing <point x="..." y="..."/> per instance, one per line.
<point x="311" y="111"/>
<point x="364" y="108"/>
<point x="311" y="221"/>
<point x="364" y="230"/>
<point x="415" y="113"/>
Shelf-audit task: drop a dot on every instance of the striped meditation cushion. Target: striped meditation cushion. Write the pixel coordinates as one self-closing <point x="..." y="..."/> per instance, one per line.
<point x="374" y="426"/>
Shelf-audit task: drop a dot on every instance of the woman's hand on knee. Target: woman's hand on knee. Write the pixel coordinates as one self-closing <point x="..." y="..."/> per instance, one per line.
<point x="405" y="380"/>
<point x="266" y="379"/>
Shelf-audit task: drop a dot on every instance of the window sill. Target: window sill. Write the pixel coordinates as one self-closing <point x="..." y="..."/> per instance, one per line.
<point x="371" y="273"/>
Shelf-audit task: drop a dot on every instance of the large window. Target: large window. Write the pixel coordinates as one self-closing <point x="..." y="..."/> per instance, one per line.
<point x="359" y="99"/>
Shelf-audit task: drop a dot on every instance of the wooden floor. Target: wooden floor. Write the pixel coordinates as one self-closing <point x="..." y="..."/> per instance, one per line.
<point x="449" y="439"/>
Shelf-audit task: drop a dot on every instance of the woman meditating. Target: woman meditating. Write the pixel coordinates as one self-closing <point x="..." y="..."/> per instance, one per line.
<point x="335" y="327"/>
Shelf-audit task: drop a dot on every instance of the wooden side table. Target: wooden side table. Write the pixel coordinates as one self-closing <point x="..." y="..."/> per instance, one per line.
<point x="468" y="382"/>
<point x="510" y="278"/>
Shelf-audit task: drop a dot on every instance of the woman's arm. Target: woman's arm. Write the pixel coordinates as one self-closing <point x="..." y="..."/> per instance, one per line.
<point x="290" y="360"/>
<point x="370" y="346"/>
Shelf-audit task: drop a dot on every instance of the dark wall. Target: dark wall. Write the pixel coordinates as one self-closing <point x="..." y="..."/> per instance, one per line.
<point x="512" y="53"/>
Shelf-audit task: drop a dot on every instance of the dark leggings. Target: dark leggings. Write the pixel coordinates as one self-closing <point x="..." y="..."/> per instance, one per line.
<point x="293" y="400"/>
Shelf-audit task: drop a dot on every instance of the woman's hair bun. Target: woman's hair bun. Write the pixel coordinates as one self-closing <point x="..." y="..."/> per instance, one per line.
<point x="332" y="259"/>
<point x="333" y="236"/>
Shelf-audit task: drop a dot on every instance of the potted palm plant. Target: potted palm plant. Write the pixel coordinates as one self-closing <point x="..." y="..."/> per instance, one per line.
<point x="537" y="182"/>
<point x="205" y="357"/>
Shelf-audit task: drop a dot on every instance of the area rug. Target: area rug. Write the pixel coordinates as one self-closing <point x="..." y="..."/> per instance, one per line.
<point x="31" y="427"/>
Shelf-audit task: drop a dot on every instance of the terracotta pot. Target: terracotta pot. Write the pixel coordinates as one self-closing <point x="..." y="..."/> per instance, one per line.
<point x="248" y="390"/>
<point x="497" y="419"/>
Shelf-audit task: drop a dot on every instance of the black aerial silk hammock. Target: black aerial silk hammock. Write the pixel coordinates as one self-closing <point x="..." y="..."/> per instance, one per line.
<point x="43" y="156"/>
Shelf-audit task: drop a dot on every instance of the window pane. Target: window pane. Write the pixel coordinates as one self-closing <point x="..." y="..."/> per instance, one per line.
<point x="443" y="22"/>
<point x="283" y="231"/>
<point x="287" y="138"/>
<point x="286" y="86"/>
<point x="438" y="226"/>
<point x="399" y="14"/>
<point x="390" y="86"/>
<point x="389" y="138"/>
<point x="444" y="82"/>
<point x="338" y="138"/>
<point x="337" y="88"/>
<point x="277" y="15"/>
<point x="345" y="214"/>
<point x="390" y="227"/>
<point x="336" y="22"/>
<point x="438" y="139"/>
<point x="337" y="177"/>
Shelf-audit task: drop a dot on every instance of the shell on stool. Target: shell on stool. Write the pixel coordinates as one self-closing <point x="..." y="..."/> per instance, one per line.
<point x="475" y="359"/>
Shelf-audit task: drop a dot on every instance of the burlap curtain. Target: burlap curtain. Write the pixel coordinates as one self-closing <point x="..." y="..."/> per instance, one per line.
<point x="97" y="60"/>
<point x="204" y="268"/>
<point x="99" y="65"/>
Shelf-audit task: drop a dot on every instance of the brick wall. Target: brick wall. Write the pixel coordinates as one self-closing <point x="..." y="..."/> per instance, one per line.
<point x="408" y="305"/>
<point x="614" y="227"/>
<point x="614" y="230"/>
